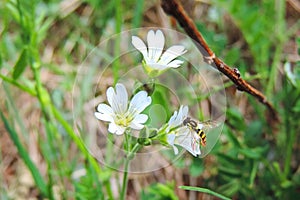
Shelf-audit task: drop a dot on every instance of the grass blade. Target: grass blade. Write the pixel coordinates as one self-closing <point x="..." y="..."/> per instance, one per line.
<point x="24" y="155"/>
<point x="204" y="190"/>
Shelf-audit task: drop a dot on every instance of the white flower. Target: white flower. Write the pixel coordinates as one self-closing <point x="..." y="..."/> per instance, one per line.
<point x="182" y="135"/>
<point x="119" y="114"/>
<point x="177" y="118"/>
<point x="155" y="62"/>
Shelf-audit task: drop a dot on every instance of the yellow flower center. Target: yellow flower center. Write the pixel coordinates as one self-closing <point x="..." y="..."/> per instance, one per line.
<point x="123" y="119"/>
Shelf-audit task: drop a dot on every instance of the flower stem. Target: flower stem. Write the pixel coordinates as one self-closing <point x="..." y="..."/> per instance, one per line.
<point x="129" y="157"/>
<point x="125" y="180"/>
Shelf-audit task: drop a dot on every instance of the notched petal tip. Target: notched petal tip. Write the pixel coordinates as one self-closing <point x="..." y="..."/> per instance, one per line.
<point x="156" y="42"/>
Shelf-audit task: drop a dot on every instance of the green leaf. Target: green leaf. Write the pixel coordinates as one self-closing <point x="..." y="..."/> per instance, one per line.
<point x="20" y="65"/>
<point x="204" y="190"/>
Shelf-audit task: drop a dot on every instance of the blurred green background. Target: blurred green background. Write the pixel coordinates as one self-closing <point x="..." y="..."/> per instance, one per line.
<point x="42" y="45"/>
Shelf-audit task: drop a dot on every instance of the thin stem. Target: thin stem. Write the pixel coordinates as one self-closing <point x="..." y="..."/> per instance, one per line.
<point x="290" y="135"/>
<point x="129" y="157"/>
<point x="18" y="85"/>
<point x="161" y="132"/>
<point x="290" y="142"/>
<point x="126" y="165"/>
<point x="135" y="149"/>
<point x="75" y="138"/>
<point x="125" y="179"/>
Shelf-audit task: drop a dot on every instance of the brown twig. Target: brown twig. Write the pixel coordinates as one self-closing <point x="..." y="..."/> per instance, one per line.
<point x="175" y="9"/>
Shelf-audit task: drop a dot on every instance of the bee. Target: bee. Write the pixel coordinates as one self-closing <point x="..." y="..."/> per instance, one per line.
<point x="199" y="128"/>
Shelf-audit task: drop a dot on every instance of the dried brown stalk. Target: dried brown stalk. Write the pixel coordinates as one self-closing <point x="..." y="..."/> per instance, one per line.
<point x="175" y="9"/>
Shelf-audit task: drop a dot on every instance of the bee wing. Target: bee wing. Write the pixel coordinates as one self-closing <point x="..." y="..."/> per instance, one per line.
<point x="209" y="124"/>
<point x="186" y="139"/>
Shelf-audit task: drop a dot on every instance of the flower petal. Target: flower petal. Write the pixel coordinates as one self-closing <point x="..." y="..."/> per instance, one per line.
<point x="104" y="113"/>
<point x="110" y="94"/>
<point x="175" y="63"/>
<point x="103" y="108"/>
<point x="170" y="140"/>
<point x="171" y="53"/>
<point x="183" y="111"/>
<point x="115" y="129"/>
<point x="136" y="126"/>
<point x="118" y="99"/>
<point x="156" y="42"/>
<point x="139" y="102"/>
<point x="122" y="96"/>
<point x="158" y="66"/>
<point x="137" y="122"/>
<point x="178" y="117"/>
<point x="141" y="118"/>
<point x="172" y="123"/>
<point x="140" y="45"/>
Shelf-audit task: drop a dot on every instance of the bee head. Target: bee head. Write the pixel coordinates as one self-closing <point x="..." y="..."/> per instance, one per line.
<point x="186" y="121"/>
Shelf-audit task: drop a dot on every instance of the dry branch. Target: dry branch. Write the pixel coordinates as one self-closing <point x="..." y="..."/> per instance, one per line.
<point x="175" y="9"/>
